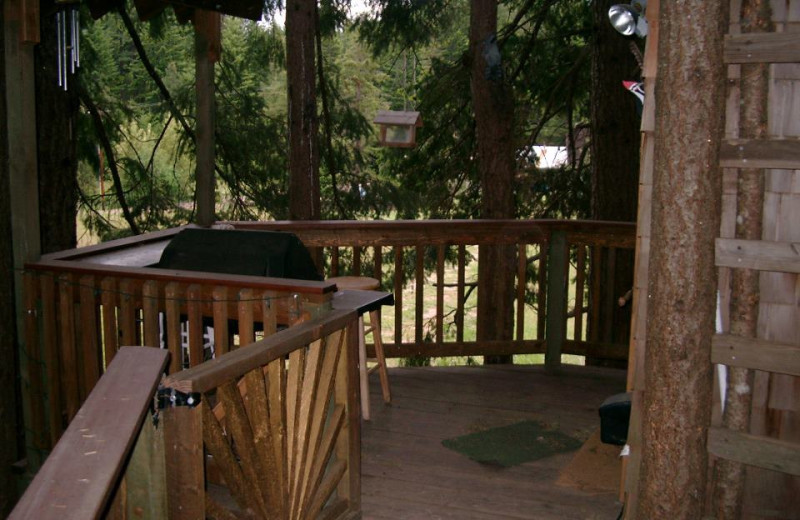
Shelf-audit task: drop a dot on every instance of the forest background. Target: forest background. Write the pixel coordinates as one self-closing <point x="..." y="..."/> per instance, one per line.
<point x="393" y="55"/>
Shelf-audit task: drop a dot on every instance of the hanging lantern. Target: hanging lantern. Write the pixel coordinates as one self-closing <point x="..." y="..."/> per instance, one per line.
<point x="68" y="30"/>
<point x="398" y="128"/>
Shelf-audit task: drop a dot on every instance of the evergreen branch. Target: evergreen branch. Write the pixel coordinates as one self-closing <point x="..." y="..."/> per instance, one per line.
<point x="549" y="107"/>
<point x="110" y="158"/>
<point x="87" y="203"/>
<point x="157" y="144"/>
<point x="528" y="50"/>
<point x="326" y="116"/>
<point x="151" y="169"/>
<point x="515" y="23"/>
<point x="571" y="124"/>
<point x="137" y="42"/>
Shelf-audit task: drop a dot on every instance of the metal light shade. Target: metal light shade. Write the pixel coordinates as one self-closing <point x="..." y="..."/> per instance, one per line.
<point x="623" y="19"/>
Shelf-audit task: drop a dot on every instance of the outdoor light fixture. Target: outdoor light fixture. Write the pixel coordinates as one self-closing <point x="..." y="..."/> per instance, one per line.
<point x="628" y="19"/>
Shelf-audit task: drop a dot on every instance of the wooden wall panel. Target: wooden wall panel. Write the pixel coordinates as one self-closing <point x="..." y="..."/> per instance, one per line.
<point x="780" y="288"/>
<point x="780" y="181"/>
<point x="776" y="397"/>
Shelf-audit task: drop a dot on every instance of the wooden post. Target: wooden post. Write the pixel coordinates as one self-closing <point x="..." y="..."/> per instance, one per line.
<point x="419" y="291"/>
<point x="206" y="52"/>
<point x="22" y="164"/>
<point x="146" y="489"/>
<point x="183" y="438"/>
<point x="638" y="340"/>
<point x="398" y="295"/>
<point x="348" y="446"/>
<point x="36" y="403"/>
<point x="23" y="204"/>
<point x="556" y="299"/>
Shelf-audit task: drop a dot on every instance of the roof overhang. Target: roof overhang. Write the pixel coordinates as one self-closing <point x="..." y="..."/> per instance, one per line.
<point x="184" y="9"/>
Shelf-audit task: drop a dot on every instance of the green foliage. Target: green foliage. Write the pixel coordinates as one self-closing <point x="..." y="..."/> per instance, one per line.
<point x="403" y="55"/>
<point x="352" y="84"/>
<point x="149" y="151"/>
<point x="545" y="48"/>
<point x="251" y="135"/>
<point x="406" y="24"/>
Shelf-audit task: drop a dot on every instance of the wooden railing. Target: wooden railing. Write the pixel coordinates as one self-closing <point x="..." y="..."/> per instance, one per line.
<point x="79" y="311"/>
<point x="566" y="295"/>
<point x="95" y="471"/>
<point x="267" y="431"/>
<point x="82" y="304"/>
<point x="279" y="421"/>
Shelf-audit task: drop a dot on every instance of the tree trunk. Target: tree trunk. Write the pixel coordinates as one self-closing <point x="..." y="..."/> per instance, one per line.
<point x="682" y="276"/>
<point x="615" y="123"/>
<point x="493" y="105"/>
<point x="754" y="87"/>
<point x="8" y="352"/>
<point x="304" y="189"/>
<point x="615" y="159"/>
<point x="56" y="120"/>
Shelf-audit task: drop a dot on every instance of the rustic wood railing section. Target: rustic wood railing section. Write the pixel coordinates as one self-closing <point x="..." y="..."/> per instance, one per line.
<point x="79" y="311"/>
<point x="82" y="304"/>
<point x="279" y="421"/>
<point x="86" y="475"/>
<point x="267" y="431"/>
<point x="565" y="292"/>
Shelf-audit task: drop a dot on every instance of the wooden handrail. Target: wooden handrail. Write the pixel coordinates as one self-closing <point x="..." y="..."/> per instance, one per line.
<point x="80" y="475"/>
<point x="79" y="312"/>
<point x="188" y="277"/>
<point x="215" y="372"/>
<point x="115" y="245"/>
<point x="594" y="246"/>
<point x="323" y="233"/>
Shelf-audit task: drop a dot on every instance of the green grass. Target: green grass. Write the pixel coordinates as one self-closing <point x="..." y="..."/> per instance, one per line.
<point x="470" y="318"/>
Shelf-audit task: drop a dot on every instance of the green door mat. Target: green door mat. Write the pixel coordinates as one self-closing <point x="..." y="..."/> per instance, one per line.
<point x="508" y="446"/>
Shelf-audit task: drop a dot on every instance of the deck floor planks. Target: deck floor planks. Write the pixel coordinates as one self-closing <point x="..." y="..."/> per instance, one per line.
<point x="408" y="474"/>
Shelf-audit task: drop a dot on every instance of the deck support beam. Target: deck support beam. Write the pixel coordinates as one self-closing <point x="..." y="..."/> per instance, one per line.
<point x="206" y="48"/>
<point x="19" y="34"/>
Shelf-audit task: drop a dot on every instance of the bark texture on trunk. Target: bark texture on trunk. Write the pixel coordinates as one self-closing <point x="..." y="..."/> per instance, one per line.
<point x="681" y="313"/>
<point x="56" y="126"/>
<point x="615" y="145"/>
<point x="493" y="105"/>
<point x="615" y="123"/>
<point x="729" y="476"/>
<point x="304" y="189"/>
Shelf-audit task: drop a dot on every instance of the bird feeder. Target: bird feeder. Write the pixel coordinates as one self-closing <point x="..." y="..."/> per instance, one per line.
<point x="398" y="128"/>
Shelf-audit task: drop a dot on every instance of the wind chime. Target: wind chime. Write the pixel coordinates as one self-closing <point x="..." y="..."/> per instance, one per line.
<point x="68" y="38"/>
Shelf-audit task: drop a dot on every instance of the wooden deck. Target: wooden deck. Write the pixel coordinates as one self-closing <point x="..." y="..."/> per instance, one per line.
<point x="408" y="474"/>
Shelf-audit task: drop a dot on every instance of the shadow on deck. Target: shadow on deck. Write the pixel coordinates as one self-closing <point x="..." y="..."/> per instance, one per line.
<point x="408" y="474"/>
